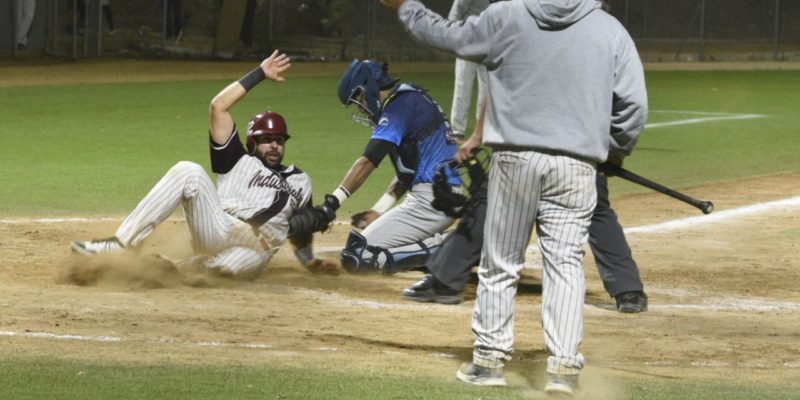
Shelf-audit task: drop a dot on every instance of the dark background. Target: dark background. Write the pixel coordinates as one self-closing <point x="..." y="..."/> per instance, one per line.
<point x="665" y="30"/>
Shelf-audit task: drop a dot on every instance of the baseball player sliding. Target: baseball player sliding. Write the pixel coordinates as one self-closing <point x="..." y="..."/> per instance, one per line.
<point x="239" y="225"/>
<point x="410" y="128"/>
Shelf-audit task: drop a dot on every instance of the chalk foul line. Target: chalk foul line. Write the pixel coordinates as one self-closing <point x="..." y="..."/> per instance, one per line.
<point x="717" y="216"/>
<point x="704" y="117"/>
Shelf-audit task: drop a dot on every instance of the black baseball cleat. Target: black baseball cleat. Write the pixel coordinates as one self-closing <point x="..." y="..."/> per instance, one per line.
<point x="430" y="290"/>
<point x="631" y="302"/>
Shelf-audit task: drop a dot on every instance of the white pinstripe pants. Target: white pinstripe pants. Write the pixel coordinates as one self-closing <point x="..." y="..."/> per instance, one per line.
<point x="466" y="72"/>
<point x="25" y="10"/>
<point x="235" y="248"/>
<point x="557" y="194"/>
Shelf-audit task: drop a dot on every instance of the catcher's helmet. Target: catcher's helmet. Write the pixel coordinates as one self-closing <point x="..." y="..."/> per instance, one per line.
<point x="266" y="123"/>
<point x="365" y="78"/>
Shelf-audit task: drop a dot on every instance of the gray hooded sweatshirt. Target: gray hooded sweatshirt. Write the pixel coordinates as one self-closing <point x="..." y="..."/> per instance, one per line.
<point x="564" y="76"/>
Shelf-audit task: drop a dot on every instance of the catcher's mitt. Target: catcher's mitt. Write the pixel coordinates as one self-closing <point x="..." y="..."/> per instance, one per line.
<point x="314" y="219"/>
<point x="308" y="220"/>
<point x="319" y="266"/>
<point x="444" y="198"/>
<point x="451" y="202"/>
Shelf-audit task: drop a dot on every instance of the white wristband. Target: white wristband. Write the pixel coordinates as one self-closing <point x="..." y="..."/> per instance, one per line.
<point x="341" y="194"/>
<point x="385" y="203"/>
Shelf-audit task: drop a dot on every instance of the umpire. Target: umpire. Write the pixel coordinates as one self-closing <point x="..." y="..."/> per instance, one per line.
<point x="449" y="268"/>
<point x="561" y="72"/>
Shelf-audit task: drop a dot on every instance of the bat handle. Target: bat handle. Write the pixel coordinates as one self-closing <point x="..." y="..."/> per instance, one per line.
<point x="707" y="207"/>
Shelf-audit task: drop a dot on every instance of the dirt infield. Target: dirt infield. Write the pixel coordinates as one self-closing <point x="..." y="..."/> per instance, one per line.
<point x="723" y="302"/>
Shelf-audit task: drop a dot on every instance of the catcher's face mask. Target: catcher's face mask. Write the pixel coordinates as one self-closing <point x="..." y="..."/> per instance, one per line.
<point x="362" y="114"/>
<point x="361" y="84"/>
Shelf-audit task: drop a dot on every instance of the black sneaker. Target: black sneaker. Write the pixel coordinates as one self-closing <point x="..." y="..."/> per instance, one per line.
<point x="430" y="290"/>
<point x="631" y="302"/>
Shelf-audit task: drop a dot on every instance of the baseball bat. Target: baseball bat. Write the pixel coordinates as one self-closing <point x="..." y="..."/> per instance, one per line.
<point x="705" y="206"/>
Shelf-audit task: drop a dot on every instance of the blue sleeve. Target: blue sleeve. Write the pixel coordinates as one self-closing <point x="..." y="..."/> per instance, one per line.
<point x="394" y="122"/>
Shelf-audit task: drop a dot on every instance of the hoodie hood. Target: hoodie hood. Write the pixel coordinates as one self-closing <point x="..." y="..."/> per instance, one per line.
<point x="550" y="14"/>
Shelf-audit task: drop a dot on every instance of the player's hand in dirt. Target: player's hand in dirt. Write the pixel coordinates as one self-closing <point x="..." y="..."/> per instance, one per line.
<point x="274" y="65"/>
<point x="363" y="219"/>
<point x="319" y="266"/>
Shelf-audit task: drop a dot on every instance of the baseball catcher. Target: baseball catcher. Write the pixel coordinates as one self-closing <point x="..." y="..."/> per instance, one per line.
<point x="410" y="129"/>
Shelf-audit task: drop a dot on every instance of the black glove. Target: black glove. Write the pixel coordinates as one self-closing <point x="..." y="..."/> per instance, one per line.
<point x="314" y="219"/>
<point x="329" y="207"/>
<point x="478" y="182"/>
<point x="444" y="198"/>
<point x="613" y="164"/>
<point x="608" y="168"/>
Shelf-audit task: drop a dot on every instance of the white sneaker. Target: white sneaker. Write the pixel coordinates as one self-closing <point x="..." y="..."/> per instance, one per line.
<point x="90" y="248"/>
<point x="562" y="385"/>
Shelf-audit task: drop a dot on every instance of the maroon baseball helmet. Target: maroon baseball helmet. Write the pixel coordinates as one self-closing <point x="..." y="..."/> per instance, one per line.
<point x="267" y="123"/>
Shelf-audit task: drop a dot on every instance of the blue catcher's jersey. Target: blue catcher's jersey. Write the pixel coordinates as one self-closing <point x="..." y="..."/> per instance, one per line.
<point x="417" y="126"/>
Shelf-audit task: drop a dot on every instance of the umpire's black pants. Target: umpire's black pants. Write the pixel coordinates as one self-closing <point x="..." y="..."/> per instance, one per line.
<point x="611" y="251"/>
<point x="461" y="249"/>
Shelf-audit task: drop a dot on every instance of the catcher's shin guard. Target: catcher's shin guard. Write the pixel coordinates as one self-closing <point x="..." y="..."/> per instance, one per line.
<point x="407" y="257"/>
<point x="359" y="257"/>
<point x="352" y="256"/>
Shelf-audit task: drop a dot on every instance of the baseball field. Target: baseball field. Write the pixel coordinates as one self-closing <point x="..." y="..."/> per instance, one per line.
<point x="83" y="142"/>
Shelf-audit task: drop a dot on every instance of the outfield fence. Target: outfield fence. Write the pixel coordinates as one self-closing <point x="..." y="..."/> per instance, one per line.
<point x="664" y="30"/>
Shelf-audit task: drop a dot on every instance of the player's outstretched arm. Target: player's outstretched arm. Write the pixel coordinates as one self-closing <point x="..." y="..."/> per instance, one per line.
<point x="395" y="191"/>
<point x="322" y="216"/>
<point x="221" y="123"/>
<point x="274" y="65"/>
<point x="303" y="250"/>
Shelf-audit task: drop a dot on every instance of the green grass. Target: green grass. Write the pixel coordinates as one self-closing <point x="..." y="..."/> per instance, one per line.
<point x="59" y="379"/>
<point x="669" y="389"/>
<point x="22" y="379"/>
<point x="689" y="155"/>
<point x="97" y="149"/>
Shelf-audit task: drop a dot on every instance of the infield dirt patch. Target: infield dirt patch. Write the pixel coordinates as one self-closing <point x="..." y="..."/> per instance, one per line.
<point x="723" y="302"/>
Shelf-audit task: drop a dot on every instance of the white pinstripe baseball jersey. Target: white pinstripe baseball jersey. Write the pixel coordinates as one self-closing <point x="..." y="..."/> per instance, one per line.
<point x="255" y="193"/>
<point x="241" y="223"/>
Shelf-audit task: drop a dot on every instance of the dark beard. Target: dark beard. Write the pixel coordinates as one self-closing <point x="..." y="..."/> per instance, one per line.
<point x="263" y="158"/>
